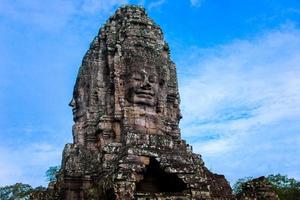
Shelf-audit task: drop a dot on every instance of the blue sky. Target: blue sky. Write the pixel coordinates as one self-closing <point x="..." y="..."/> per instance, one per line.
<point x="238" y="66"/>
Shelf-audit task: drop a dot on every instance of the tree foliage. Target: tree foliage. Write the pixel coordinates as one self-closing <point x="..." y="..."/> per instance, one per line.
<point x="237" y="187"/>
<point x="18" y="191"/>
<point x="52" y="173"/>
<point x="286" y="188"/>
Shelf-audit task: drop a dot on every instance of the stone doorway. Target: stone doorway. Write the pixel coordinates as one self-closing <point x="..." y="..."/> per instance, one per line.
<point x="157" y="181"/>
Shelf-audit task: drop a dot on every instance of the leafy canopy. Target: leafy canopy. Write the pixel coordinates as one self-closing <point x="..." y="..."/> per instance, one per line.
<point x="286" y="188"/>
<point x="20" y="191"/>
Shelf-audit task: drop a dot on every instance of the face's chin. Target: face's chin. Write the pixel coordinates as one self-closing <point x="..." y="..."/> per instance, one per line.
<point x="77" y="114"/>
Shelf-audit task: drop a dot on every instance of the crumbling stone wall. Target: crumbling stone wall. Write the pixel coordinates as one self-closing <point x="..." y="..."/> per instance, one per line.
<point x="257" y="189"/>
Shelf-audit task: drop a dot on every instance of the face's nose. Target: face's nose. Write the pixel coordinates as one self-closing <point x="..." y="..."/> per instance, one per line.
<point x="146" y="84"/>
<point x="72" y="103"/>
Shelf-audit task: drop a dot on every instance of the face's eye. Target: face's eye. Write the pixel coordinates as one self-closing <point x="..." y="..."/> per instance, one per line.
<point x="152" y="79"/>
<point x="137" y="76"/>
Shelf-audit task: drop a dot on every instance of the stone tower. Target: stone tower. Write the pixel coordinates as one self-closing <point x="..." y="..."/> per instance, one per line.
<point x="127" y="142"/>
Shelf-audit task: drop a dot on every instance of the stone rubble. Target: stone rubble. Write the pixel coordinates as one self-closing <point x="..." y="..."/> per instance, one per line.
<point x="257" y="189"/>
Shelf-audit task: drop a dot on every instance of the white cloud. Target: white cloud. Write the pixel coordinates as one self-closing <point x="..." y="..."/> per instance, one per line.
<point x="9" y="170"/>
<point x="156" y="4"/>
<point x="243" y="94"/>
<point x="196" y="3"/>
<point x="51" y="15"/>
<point x="141" y="2"/>
<point x="42" y="14"/>
<point x="93" y="6"/>
<point x="27" y="164"/>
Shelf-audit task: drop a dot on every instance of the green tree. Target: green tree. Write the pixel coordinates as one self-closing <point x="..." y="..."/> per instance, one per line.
<point x="237" y="187"/>
<point x="18" y="191"/>
<point x="286" y="188"/>
<point x="52" y="172"/>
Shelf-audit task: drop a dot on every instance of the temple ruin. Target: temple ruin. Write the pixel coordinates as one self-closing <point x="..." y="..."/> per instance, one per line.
<point x="126" y="140"/>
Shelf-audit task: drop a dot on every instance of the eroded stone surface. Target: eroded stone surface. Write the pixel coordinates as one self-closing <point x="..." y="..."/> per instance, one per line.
<point x="257" y="189"/>
<point x="127" y="142"/>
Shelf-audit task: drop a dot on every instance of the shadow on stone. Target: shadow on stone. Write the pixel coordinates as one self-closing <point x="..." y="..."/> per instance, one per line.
<point x="156" y="180"/>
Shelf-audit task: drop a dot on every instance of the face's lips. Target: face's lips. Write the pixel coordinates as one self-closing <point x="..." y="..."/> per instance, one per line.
<point x="145" y="92"/>
<point x="74" y="110"/>
<point x="145" y="96"/>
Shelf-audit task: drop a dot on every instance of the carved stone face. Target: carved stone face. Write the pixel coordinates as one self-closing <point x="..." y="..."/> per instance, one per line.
<point x="77" y="112"/>
<point x="142" y="86"/>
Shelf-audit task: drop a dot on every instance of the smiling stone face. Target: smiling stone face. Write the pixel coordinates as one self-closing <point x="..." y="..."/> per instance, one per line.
<point x="142" y="86"/>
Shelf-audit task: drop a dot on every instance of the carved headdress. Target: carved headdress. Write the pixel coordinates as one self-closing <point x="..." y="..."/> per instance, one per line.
<point x="127" y="82"/>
